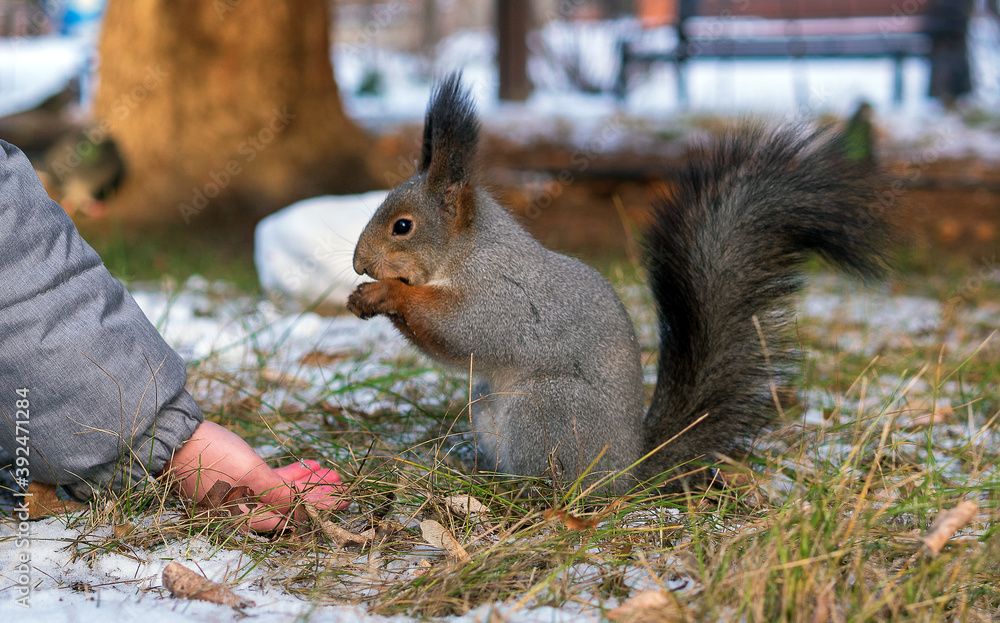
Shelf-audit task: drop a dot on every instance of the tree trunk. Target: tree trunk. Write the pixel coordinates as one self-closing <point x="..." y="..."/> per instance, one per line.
<point x="225" y="110"/>
<point x="512" y="49"/>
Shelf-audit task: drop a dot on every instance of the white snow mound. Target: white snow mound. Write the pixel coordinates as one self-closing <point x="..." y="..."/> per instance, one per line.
<point x="304" y="252"/>
<point x="33" y="69"/>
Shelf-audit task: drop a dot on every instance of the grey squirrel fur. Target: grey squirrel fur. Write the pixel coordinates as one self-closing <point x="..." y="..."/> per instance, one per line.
<point x="460" y="278"/>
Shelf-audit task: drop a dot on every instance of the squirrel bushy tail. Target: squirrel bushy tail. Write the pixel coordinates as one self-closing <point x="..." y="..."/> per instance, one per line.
<point x="725" y="249"/>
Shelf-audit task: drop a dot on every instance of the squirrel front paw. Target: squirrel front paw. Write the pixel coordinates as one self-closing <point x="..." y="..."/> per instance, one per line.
<point x="368" y="300"/>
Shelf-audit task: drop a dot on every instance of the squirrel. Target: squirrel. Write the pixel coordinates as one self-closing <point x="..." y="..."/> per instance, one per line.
<point x="564" y="394"/>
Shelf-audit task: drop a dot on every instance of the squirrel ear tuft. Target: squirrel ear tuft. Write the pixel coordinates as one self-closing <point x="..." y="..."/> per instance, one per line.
<point x="451" y="133"/>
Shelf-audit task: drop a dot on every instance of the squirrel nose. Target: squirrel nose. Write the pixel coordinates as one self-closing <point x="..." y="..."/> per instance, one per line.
<point x="359" y="260"/>
<point x="364" y="261"/>
<point x="359" y="265"/>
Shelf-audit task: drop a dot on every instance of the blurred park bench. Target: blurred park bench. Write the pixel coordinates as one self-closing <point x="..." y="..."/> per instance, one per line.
<point x="795" y="29"/>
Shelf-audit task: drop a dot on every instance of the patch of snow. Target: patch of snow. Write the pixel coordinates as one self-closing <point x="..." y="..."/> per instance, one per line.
<point x="238" y="338"/>
<point x="898" y="314"/>
<point x="984" y="55"/>
<point x="568" y="55"/>
<point x="304" y="252"/>
<point x="128" y="587"/>
<point x="32" y="69"/>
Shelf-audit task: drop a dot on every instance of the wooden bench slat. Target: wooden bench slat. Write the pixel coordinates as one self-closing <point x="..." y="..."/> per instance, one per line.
<point x="811" y="9"/>
<point x="764" y="47"/>
<point x="752" y="27"/>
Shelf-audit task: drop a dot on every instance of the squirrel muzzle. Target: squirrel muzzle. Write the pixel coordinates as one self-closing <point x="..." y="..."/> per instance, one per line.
<point x="365" y="262"/>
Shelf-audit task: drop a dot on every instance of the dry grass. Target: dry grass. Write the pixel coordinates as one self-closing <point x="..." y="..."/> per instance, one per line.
<point x="821" y="521"/>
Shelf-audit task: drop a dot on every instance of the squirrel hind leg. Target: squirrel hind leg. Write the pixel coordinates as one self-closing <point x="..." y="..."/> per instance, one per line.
<point x="485" y="407"/>
<point x="556" y="427"/>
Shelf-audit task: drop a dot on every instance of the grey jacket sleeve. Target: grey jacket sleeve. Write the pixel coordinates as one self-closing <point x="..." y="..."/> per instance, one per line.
<point x="105" y="394"/>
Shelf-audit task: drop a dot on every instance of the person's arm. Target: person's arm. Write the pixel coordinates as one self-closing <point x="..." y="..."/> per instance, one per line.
<point x="89" y="387"/>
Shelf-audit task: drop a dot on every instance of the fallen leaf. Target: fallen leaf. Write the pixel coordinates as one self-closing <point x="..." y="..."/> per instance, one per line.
<point x="647" y="607"/>
<point x="43" y="501"/>
<point x="424" y="565"/>
<point x="572" y="521"/>
<point x="342" y="538"/>
<point x="225" y="500"/>
<point x="186" y="584"/>
<point x="466" y="505"/>
<point x="123" y="530"/>
<point x="438" y="536"/>
<point x="319" y="359"/>
<point x="388" y="528"/>
<point x="947" y="523"/>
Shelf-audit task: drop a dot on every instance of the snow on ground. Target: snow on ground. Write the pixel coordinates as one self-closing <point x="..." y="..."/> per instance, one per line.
<point x="126" y="586"/>
<point x="226" y="334"/>
<point x="236" y="337"/>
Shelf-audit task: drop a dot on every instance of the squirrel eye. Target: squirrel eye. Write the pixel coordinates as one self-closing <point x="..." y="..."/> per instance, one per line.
<point x="402" y="227"/>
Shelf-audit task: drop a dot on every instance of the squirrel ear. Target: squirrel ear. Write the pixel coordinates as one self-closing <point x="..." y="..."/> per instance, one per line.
<point x="457" y="203"/>
<point x="451" y="132"/>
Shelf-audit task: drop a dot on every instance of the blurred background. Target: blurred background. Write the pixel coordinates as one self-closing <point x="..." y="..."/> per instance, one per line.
<point x="168" y="130"/>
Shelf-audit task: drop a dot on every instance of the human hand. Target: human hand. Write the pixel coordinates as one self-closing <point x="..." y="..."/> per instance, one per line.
<point x="316" y="485"/>
<point x="215" y="454"/>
